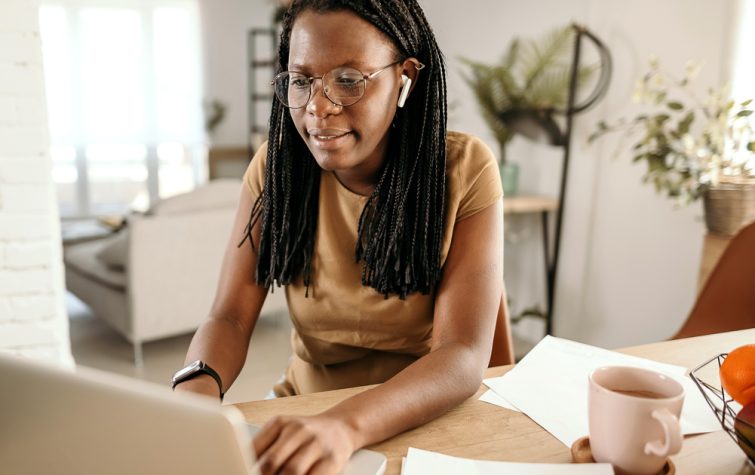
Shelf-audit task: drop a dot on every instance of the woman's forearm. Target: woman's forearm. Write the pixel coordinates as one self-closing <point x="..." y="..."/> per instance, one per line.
<point x="222" y="344"/>
<point x="422" y="392"/>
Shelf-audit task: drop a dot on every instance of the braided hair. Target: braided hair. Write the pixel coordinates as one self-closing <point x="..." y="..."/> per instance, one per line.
<point x="401" y="226"/>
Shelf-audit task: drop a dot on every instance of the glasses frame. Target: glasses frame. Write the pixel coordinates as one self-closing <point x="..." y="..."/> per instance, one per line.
<point x="365" y="77"/>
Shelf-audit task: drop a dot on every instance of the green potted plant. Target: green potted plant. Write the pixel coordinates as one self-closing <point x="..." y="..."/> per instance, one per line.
<point x="520" y="93"/>
<point x="693" y="147"/>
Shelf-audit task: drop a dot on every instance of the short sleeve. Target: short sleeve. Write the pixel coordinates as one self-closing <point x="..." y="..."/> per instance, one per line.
<point x="254" y="177"/>
<point x="480" y="179"/>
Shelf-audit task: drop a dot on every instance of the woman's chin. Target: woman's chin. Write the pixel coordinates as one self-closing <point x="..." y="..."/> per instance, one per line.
<point x="333" y="160"/>
<point x="330" y="162"/>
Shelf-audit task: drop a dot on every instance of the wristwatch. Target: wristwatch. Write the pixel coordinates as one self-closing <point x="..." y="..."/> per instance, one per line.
<point x="195" y="369"/>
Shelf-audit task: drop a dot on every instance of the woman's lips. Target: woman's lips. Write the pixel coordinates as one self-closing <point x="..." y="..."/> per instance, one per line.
<point x="329" y="139"/>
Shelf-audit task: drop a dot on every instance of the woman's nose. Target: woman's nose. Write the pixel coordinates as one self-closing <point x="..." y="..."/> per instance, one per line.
<point x="319" y="105"/>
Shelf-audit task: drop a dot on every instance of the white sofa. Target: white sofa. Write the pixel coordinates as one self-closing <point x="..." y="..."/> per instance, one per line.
<point x="157" y="277"/>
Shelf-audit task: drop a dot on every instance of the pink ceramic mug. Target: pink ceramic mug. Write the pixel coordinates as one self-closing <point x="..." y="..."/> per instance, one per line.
<point x="634" y="418"/>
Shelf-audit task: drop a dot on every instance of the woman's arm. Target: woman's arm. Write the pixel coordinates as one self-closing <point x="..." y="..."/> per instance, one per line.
<point x="223" y="339"/>
<point x="465" y="311"/>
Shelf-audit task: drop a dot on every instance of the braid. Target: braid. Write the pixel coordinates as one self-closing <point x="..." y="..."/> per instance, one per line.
<point x="401" y="226"/>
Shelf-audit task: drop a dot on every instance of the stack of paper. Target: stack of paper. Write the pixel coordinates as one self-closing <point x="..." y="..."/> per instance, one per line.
<point x="422" y="462"/>
<point x="550" y="386"/>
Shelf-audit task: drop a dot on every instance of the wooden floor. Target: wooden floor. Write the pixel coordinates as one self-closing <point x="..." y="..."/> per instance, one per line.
<point x="96" y="345"/>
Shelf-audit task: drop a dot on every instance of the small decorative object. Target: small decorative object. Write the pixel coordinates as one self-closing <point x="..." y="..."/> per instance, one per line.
<point x="694" y="147"/>
<point x="215" y="112"/>
<point x="738" y="422"/>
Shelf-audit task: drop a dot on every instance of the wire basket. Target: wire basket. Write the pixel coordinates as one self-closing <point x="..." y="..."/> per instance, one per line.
<point x="723" y="406"/>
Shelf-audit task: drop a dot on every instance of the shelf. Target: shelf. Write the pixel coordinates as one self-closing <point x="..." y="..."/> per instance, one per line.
<point x="263" y="63"/>
<point x="522" y="204"/>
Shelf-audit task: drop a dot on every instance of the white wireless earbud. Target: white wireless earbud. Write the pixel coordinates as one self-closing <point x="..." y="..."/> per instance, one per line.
<point x="406" y="85"/>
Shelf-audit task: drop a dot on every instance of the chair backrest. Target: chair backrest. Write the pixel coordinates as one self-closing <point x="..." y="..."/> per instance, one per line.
<point x="727" y="301"/>
<point x="503" y="345"/>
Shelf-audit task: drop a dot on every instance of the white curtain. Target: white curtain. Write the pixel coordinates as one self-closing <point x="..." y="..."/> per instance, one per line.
<point x="123" y="83"/>
<point x="743" y="70"/>
<point x="743" y="81"/>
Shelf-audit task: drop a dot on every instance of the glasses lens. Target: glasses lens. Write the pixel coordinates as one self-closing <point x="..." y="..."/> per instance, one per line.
<point x="292" y="89"/>
<point x="344" y="86"/>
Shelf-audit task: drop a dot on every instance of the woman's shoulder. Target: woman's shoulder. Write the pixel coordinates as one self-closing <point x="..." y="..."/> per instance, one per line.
<point x="473" y="181"/>
<point x="467" y="154"/>
<point x="254" y="176"/>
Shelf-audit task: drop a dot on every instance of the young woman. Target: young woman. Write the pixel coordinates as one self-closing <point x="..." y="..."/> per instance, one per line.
<point x="384" y="228"/>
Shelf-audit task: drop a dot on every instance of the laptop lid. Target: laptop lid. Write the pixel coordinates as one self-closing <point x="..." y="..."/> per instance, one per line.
<point x="93" y="422"/>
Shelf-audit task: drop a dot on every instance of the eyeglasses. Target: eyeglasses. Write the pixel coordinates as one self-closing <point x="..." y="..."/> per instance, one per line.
<point x="342" y="86"/>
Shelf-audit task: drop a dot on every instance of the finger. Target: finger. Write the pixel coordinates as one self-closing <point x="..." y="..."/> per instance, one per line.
<point x="267" y="435"/>
<point x="292" y="438"/>
<point x="304" y="458"/>
<point x="326" y="466"/>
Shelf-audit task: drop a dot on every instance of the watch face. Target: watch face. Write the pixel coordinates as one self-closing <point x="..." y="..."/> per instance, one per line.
<point x="187" y="371"/>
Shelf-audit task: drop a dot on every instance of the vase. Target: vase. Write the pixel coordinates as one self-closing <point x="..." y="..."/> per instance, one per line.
<point x="730" y="205"/>
<point x="509" y="178"/>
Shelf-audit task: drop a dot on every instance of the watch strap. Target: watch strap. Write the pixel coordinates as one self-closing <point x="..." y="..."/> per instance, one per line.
<point x="203" y="368"/>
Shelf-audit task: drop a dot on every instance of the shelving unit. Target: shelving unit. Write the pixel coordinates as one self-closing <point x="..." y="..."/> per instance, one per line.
<point x="261" y="60"/>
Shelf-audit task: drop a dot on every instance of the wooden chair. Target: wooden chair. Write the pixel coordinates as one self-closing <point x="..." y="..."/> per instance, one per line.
<point x="727" y="301"/>
<point x="503" y="345"/>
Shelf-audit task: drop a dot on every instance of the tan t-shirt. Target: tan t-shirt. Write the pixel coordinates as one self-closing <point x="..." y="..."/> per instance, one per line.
<point x="346" y="334"/>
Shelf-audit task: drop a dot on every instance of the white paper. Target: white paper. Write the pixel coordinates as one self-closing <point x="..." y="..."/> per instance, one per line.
<point x="493" y="397"/>
<point x="422" y="462"/>
<point x="550" y="386"/>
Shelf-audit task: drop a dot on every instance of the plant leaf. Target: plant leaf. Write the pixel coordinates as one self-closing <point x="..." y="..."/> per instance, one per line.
<point x="537" y="55"/>
<point x="685" y="123"/>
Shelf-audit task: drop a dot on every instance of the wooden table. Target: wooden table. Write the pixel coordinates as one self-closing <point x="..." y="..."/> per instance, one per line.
<point x="482" y="431"/>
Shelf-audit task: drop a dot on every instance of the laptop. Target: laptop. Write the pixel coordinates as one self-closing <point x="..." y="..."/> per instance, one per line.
<point x="92" y="422"/>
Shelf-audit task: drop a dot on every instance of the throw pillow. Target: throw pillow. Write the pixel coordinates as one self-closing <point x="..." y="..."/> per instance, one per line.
<point x="114" y="254"/>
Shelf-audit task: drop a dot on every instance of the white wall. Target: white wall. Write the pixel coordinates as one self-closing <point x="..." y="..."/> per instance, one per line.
<point x="224" y="30"/>
<point x="33" y="321"/>
<point x="629" y="259"/>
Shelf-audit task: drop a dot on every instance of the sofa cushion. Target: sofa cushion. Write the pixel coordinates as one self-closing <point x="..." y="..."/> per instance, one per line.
<point x="82" y="259"/>
<point x="221" y="193"/>
<point x="114" y="251"/>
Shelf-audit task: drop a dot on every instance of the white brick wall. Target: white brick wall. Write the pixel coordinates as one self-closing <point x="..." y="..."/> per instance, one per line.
<point x="33" y="322"/>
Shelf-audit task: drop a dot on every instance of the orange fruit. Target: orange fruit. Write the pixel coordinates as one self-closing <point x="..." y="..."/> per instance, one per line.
<point x="738" y="374"/>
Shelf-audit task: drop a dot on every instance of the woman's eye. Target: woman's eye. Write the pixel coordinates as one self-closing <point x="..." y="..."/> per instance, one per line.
<point x="299" y="83"/>
<point x="347" y="82"/>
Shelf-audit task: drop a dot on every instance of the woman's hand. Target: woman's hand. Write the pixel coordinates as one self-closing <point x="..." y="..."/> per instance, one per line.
<point x="316" y="445"/>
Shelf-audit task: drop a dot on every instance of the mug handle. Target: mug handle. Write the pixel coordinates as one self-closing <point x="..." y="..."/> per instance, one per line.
<point x="672" y="433"/>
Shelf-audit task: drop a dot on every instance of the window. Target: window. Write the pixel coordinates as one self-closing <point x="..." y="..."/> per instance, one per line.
<point x="124" y="101"/>
<point x="743" y="84"/>
<point x="743" y="80"/>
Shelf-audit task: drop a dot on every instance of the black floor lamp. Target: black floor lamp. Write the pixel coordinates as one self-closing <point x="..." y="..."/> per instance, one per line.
<point x="541" y="126"/>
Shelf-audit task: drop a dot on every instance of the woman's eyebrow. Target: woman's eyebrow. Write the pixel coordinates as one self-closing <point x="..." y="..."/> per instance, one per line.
<point x="304" y="67"/>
